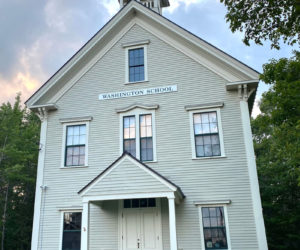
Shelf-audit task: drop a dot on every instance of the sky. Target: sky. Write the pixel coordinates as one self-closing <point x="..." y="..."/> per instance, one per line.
<point x="38" y="37"/>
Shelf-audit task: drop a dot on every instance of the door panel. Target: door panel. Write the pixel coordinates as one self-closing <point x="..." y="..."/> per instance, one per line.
<point x="131" y="230"/>
<point x="148" y="232"/>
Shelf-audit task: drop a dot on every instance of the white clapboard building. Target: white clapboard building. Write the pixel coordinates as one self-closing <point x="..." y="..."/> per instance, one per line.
<point x="146" y="143"/>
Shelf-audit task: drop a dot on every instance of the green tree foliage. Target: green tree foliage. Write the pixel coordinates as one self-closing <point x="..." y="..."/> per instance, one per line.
<point x="19" y="137"/>
<point x="277" y="145"/>
<point x="265" y="19"/>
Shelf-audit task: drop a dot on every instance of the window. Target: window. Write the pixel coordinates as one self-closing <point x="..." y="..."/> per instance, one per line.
<point x="137" y="203"/>
<point x="75" y="145"/>
<point x="138" y="134"/>
<point x="214" y="228"/>
<point x="71" y="231"/>
<point x="206" y="134"/>
<point x="146" y="143"/>
<point x="129" y="135"/>
<point x="136" y="65"/>
<point x="136" y="61"/>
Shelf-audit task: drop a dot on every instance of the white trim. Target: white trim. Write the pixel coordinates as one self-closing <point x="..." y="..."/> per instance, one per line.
<point x="205" y="203"/>
<point x="204" y="106"/>
<point x="136" y="43"/>
<point x="76" y="119"/>
<point x="62" y="212"/>
<point x="128" y="196"/>
<point x="85" y="227"/>
<point x="254" y="185"/>
<point x="226" y="224"/>
<point x="172" y="224"/>
<point x="234" y="85"/>
<point x="144" y="46"/>
<point x="38" y="190"/>
<point x="137" y="112"/>
<point x="70" y="208"/>
<point x="191" y="113"/>
<point x="137" y="105"/>
<point x="63" y="148"/>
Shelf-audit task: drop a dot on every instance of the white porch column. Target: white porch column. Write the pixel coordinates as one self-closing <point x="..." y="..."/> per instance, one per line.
<point x="85" y="226"/>
<point x="172" y="224"/>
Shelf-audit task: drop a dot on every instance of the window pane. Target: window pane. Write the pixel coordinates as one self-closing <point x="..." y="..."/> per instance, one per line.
<point x="76" y="130"/>
<point x="213" y="127"/>
<point x="70" y="130"/>
<point x="213" y="117"/>
<point x="216" y="150"/>
<point x="70" y="140"/>
<point x="205" y="127"/>
<point x="197" y="118"/>
<point x="132" y="133"/>
<point x="199" y="140"/>
<point x="200" y="151"/>
<point x="127" y="203"/>
<point x="75" y="139"/>
<point x="204" y="118"/>
<point x="198" y="129"/>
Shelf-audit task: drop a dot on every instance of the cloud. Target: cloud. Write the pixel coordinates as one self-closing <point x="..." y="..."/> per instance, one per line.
<point x="38" y="37"/>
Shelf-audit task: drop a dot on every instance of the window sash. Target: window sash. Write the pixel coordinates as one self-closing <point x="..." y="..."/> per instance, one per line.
<point x="131" y="135"/>
<point x="136" y="65"/>
<point x="146" y="137"/>
<point x="71" y="238"/>
<point x="214" y="234"/>
<point x="206" y="129"/>
<point x="80" y="146"/>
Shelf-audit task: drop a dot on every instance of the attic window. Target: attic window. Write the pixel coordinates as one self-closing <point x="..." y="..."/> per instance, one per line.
<point x="136" y="62"/>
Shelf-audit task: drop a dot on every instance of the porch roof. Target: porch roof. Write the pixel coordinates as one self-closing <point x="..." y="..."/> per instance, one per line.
<point x="128" y="175"/>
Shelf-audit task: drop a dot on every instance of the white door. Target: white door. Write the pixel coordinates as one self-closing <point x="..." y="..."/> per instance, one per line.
<point x="141" y="229"/>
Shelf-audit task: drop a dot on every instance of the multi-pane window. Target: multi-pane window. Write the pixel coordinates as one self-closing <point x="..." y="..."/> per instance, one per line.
<point x="137" y="203"/>
<point x="71" y="231"/>
<point x="207" y="141"/>
<point x="138" y="136"/>
<point x="214" y="228"/>
<point x="129" y="134"/>
<point x="75" y="145"/>
<point x="136" y="65"/>
<point x="146" y="143"/>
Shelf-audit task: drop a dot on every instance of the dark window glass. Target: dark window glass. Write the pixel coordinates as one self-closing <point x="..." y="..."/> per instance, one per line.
<point x="136" y="65"/>
<point x="129" y="135"/>
<point x="71" y="231"/>
<point x="75" y="145"/>
<point x="137" y="203"/>
<point x="214" y="229"/>
<point x="206" y="132"/>
<point x="146" y="143"/>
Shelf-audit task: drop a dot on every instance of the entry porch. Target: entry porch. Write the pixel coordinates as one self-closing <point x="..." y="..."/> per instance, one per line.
<point x="129" y="206"/>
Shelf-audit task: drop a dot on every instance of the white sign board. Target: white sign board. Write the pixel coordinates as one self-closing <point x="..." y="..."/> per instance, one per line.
<point x="138" y="92"/>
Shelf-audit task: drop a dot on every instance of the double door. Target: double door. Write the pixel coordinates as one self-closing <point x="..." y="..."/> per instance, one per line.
<point x="141" y="229"/>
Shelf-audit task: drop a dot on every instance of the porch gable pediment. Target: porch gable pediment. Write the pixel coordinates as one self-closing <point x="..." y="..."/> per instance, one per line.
<point x="127" y="176"/>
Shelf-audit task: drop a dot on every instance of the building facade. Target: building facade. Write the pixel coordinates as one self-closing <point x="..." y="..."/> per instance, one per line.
<point x="146" y="143"/>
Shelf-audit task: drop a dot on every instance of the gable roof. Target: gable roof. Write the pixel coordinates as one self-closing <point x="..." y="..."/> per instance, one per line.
<point x="138" y="163"/>
<point x="223" y="64"/>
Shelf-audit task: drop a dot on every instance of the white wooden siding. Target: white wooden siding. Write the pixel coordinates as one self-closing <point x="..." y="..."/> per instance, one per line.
<point x="209" y="179"/>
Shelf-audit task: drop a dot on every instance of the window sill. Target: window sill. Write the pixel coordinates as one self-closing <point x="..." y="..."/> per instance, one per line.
<point x="69" y="167"/>
<point x="129" y="83"/>
<point x="209" y="157"/>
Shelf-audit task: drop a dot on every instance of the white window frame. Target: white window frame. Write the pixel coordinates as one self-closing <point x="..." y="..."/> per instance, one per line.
<point x="63" y="152"/>
<point x="191" y="114"/>
<point x="62" y="212"/>
<point x="137" y="112"/>
<point x="144" y="46"/>
<point x="226" y="223"/>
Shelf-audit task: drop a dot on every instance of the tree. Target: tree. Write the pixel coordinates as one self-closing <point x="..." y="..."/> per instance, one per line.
<point x="19" y="137"/>
<point x="277" y="146"/>
<point x="265" y="20"/>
